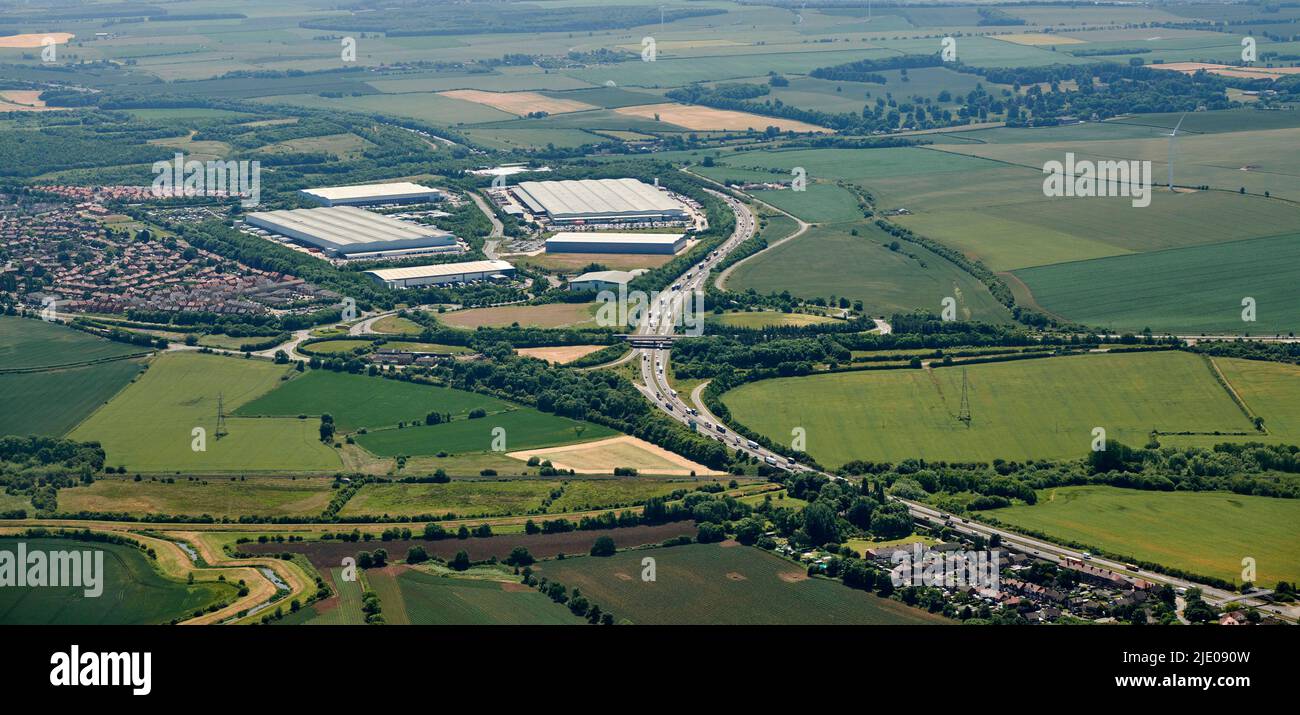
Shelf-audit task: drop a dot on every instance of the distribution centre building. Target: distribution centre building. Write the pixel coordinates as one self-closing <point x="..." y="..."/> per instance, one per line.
<point x="349" y="232"/>
<point x="592" y="242"/>
<point x="413" y="276"/>
<point x="403" y="192"/>
<point x="599" y="201"/>
<point x="603" y="280"/>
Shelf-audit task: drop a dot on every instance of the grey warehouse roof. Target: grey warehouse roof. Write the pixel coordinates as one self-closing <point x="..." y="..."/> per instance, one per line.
<point x="596" y="197"/>
<point x="347" y="229"/>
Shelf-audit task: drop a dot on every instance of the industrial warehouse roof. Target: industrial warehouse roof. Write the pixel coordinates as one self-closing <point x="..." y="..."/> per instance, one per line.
<point x="614" y="237"/>
<point x="595" y="197"/>
<point x="441" y="269"/>
<point x="608" y="276"/>
<point x="375" y="192"/>
<point x="348" y="229"/>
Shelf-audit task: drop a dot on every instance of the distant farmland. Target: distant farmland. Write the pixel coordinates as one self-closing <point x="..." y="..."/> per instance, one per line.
<point x="1188" y="290"/>
<point x="708" y="584"/>
<point x="830" y="260"/>
<point x="1028" y="409"/>
<point x="1203" y="532"/>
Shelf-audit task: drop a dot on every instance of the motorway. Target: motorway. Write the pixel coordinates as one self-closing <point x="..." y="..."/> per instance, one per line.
<point x="655" y="386"/>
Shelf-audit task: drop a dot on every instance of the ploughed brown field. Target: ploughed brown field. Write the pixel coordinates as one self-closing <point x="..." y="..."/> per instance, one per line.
<point x="327" y="554"/>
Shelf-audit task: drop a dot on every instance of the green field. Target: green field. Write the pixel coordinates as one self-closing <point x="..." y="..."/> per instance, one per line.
<point x="427" y="106"/>
<point x="148" y="426"/>
<point x="1028" y="409"/>
<point x="828" y="261"/>
<point x="357" y="401"/>
<point x="767" y="318"/>
<point x="457" y="497"/>
<point x="219" y="497"/>
<point x="493" y="498"/>
<point x="26" y="343"/>
<point x="707" y="584"/>
<point x="343" y="610"/>
<point x="525" y="428"/>
<point x="134" y="592"/>
<point x="819" y="203"/>
<point x="396" y="324"/>
<point x="1202" y="532"/>
<point x="434" y="600"/>
<point x="54" y="401"/>
<point x="339" y="347"/>
<point x="1195" y="290"/>
<point x="1269" y="389"/>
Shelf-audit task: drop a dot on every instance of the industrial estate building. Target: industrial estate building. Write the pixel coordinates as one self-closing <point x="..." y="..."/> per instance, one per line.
<point x="603" y="280"/>
<point x="413" y="276"/>
<point x="599" y="201"/>
<point x="373" y="194"/>
<point x="585" y="242"/>
<point x="348" y="232"/>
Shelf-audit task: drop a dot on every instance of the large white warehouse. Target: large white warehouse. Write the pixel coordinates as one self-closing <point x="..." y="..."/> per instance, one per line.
<point x="348" y="232"/>
<point x="402" y="192"/>
<point x="599" y="201"/>
<point x="412" y="276"/>
<point x="606" y="242"/>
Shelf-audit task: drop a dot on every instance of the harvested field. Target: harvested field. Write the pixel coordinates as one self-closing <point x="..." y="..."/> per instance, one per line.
<point x="710" y="119"/>
<point x="326" y="554"/>
<point x="603" y="456"/>
<point x="520" y="103"/>
<point x="263" y="496"/>
<point x="1038" y="39"/>
<point x="561" y="355"/>
<point x="34" y="39"/>
<point x="21" y="100"/>
<point x="1228" y="70"/>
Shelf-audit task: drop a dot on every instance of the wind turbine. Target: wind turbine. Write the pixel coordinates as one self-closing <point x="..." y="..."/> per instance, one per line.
<point x="1173" y="138"/>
